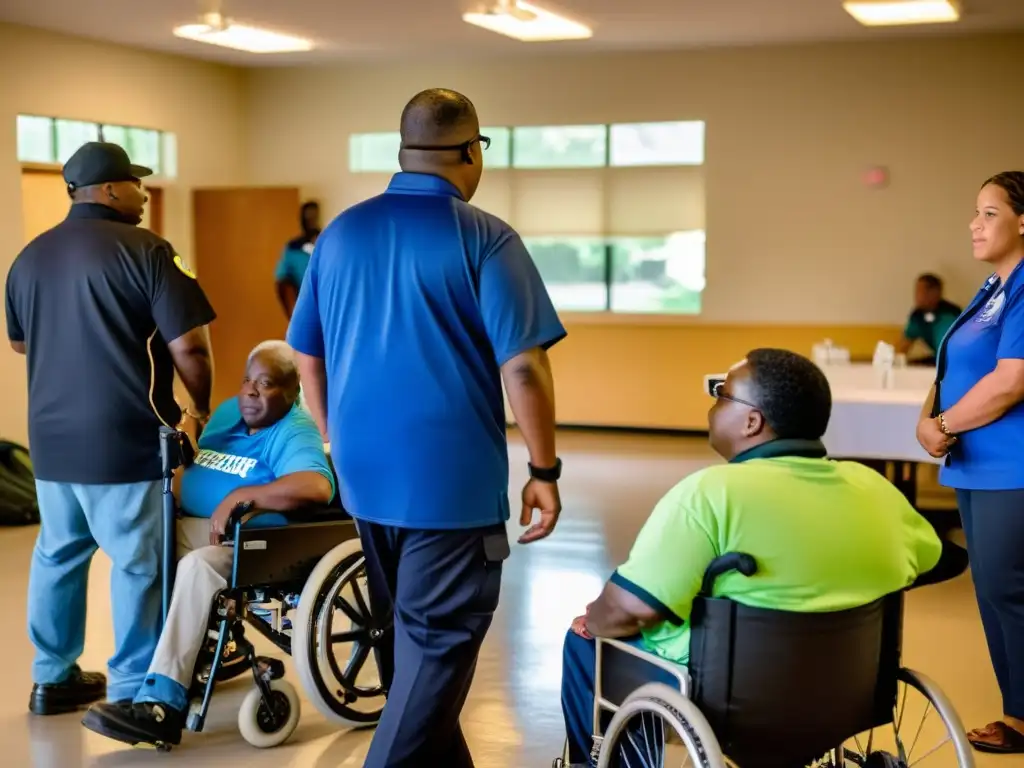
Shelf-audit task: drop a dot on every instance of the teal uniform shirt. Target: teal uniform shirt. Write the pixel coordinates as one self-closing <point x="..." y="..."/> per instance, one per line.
<point x="931" y="327"/>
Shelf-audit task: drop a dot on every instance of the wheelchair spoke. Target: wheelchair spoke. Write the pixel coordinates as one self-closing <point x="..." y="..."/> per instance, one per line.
<point x="361" y="606"/>
<point x="351" y="636"/>
<point x="355" y="664"/>
<point x="917" y="735"/>
<point x="349" y="611"/>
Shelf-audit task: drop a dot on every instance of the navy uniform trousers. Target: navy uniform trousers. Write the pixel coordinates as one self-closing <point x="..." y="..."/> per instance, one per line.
<point x="442" y="588"/>
<point x="994" y="526"/>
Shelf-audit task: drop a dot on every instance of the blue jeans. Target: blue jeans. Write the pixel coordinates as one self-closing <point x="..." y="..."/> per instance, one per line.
<point x="123" y="521"/>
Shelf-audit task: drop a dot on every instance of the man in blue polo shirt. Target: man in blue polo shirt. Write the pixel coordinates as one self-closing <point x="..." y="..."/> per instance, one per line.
<point x="414" y="308"/>
<point x="261" y="448"/>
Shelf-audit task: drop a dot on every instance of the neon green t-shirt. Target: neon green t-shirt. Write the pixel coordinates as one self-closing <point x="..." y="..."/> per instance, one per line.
<point x="826" y="535"/>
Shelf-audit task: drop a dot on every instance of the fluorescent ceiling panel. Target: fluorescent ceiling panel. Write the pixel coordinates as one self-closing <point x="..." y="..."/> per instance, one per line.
<point x="883" y="13"/>
<point x="243" y="38"/>
<point x="527" y="22"/>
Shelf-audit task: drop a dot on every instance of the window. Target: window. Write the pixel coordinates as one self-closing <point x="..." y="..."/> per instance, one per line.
<point x="612" y="215"/>
<point x="378" y="152"/>
<point x="561" y="146"/>
<point x="54" y="140"/>
<point x="634" y="275"/>
<point x="144" y="147"/>
<point x="35" y="139"/>
<point x="658" y="274"/>
<point x="573" y="269"/>
<point x="374" y="152"/>
<point x="71" y="134"/>
<point x="679" y="143"/>
<point x="169" y="157"/>
<point x="499" y="155"/>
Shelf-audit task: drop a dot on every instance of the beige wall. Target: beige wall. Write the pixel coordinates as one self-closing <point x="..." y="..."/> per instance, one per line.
<point x="46" y="74"/>
<point x="793" y="235"/>
<point x="797" y="246"/>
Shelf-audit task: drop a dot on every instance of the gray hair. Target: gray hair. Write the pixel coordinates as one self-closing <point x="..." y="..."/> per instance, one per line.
<point x="282" y="355"/>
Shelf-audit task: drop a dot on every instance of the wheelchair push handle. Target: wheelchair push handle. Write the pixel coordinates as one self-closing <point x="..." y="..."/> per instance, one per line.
<point x="731" y="561"/>
<point x="175" y="451"/>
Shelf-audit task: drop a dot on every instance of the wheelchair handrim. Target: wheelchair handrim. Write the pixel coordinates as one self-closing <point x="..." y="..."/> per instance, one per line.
<point x="322" y="615"/>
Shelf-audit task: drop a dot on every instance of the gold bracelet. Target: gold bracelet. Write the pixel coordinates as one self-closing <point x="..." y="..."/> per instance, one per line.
<point x="196" y="417"/>
<point x="942" y="425"/>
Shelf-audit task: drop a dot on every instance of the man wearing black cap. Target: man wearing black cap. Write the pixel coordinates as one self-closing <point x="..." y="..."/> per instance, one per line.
<point x="105" y="312"/>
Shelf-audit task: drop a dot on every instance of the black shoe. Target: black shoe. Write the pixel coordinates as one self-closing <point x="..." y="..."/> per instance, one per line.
<point x="147" y="723"/>
<point x="79" y="690"/>
<point x="235" y="662"/>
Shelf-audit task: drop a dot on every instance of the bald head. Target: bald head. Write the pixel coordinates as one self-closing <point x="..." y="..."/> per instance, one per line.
<point x="439" y="116"/>
<point x="441" y="137"/>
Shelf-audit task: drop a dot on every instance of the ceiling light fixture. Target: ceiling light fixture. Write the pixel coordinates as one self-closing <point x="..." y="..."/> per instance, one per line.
<point x="526" y="22"/>
<point x="214" y="29"/>
<point x="886" y="13"/>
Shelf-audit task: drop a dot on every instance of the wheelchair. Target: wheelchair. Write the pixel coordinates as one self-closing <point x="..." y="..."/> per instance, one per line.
<point x="771" y="689"/>
<point x="313" y="573"/>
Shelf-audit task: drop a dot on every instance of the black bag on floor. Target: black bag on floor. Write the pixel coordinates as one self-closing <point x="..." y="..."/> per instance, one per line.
<point x="18" y="504"/>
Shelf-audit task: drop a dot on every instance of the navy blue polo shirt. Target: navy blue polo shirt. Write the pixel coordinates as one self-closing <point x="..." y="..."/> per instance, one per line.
<point x="990" y="330"/>
<point x="414" y="299"/>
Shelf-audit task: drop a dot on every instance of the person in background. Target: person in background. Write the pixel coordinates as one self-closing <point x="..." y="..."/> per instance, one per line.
<point x="827" y="535"/>
<point x="105" y="312"/>
<point x="291" y="268"/>
<point x="931" y="318"/>
<point x="261" y="448"/>
<point x="423" y="305"/>
<point x="974" y="417"/>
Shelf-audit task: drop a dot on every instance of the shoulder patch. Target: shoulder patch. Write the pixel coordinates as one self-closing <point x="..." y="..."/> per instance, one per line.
<point x="180" y="264"/>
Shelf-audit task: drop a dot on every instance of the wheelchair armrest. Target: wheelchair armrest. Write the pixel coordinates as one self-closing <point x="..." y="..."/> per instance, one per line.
<point x="620" y="668"/>
<point x="243" y="513"/>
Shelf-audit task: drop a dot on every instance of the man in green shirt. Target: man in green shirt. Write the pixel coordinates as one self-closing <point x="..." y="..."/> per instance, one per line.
<point x="931" y="318"/>
<point x="826" y="535"/>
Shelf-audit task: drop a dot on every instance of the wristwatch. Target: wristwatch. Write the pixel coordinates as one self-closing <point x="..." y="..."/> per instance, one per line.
<point x="547" y="475"/>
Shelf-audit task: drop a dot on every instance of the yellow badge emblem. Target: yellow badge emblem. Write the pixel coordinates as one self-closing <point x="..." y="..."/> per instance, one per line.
<point x="181" y="266"/>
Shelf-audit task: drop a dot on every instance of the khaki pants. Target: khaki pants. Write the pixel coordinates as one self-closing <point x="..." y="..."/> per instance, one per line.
<point x="203" y="571"/>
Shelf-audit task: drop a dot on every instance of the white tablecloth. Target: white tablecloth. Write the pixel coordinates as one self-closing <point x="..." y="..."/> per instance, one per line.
<point x="869" y="422"/>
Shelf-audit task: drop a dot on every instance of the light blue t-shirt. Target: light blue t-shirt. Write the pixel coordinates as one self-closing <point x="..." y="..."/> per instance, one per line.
<point x="414" y="299"/>
<point x="991" y="329"/>
<point x="291" y="267"/>
<point x="230" y="458"/>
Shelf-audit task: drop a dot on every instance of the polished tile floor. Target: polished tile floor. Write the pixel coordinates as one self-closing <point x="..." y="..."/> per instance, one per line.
<point x="512" y="719"/>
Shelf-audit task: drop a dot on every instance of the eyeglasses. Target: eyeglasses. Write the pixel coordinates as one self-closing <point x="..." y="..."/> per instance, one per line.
<point x="464" y="147"/>
<point x="718" y="392"/>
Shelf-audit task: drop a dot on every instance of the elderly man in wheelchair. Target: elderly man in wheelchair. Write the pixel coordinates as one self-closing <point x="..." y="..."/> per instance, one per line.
<point x="260" y="463"/>
<point x="757" y="618"/>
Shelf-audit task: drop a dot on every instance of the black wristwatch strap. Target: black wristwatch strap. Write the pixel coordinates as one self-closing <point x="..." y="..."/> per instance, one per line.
<point x="547" y="475"/>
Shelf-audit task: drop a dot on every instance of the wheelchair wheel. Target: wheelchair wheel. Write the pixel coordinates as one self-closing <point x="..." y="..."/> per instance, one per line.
<point x="657" y="726"/>
<point x="264" y="726"/>
<point x="333" y="641"/>
<point x="925" y="729"/>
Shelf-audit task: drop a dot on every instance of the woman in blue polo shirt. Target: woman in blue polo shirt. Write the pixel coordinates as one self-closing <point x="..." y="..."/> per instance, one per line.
<point x="975" y="418"/>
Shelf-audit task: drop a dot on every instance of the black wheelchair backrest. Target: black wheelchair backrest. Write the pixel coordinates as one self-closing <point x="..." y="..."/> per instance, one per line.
<point x="781" y="688"/>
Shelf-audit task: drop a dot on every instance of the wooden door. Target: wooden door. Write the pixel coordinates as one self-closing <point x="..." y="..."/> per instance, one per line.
<point x="240" y="234"/>
<point x="45" y="202"/>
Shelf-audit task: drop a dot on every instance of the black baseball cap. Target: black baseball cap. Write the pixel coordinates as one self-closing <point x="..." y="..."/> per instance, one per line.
<point x="100" y="162"/>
